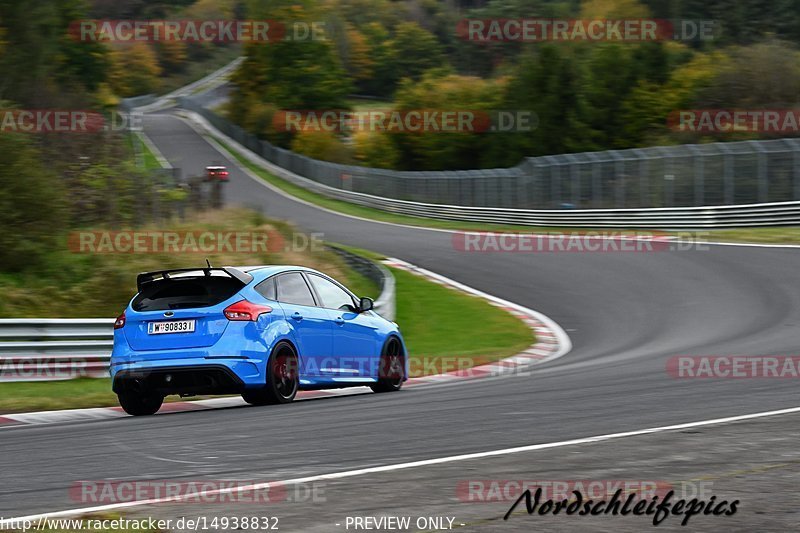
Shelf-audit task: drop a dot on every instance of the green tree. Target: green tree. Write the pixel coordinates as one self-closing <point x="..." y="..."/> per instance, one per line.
<point x="376" y="150"/>
<point x="448" y="147"/>
<point x="31" y="203"/>
<point x="135" y="69"/>
<point x="549" y="84"/>
<point x="322" y="145"/>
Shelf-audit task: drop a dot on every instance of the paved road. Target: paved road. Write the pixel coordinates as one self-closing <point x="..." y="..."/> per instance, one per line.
<point x="625" y="313"/>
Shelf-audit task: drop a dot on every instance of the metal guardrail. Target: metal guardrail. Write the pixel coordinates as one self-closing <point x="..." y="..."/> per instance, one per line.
<point x="669" y="218"/>
<point x="48" y="349"/>
<point x="43" y="349"/>
<point x="152" y="102"/>
<point x="752" y="183"/>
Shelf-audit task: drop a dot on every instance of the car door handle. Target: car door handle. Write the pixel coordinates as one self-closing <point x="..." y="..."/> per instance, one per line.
<point x="339" y="320"/>
<point x="297" y="316"/>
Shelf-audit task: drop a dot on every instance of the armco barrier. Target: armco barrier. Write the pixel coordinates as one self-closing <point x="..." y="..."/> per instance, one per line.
<point x="46" y="349"/>
<point x="715" y="174"/>
<point x="666" y="218"/>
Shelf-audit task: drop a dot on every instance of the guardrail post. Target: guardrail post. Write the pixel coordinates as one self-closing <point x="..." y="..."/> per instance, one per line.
<point x="597" y="189"/>
<point x="644" y="174"/>
<point x="619" y="179"/>
<point x="763" y="178"/>
<point x="575" y="178"/>
<point x="699" y="174"/>
<point x="728" y="183"/>
<point x="795" y="145"/>
<point x="669" y="178"/>
<point x="555" y="182"/>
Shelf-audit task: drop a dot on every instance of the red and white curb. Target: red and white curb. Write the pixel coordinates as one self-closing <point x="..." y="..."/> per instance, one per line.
<point x="551" y="343"/>
<point x="104" y="413"/>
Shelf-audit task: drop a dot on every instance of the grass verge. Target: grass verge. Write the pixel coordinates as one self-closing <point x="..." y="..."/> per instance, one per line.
<point x="149" y="160"/>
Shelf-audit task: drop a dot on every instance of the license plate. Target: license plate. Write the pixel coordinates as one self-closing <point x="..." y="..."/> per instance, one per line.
<point x="170" y="326"/>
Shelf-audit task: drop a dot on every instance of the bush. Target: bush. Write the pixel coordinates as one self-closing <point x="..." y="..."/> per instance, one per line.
<point x="375" y="149"/>
<point x="322" y="145"/>
<point x="32" y="204"/>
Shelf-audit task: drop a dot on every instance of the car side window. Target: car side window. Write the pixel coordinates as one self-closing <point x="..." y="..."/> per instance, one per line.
<point x="292" y="289"/>
<point x="333" y="296"/>
<point x="267" y="289"/>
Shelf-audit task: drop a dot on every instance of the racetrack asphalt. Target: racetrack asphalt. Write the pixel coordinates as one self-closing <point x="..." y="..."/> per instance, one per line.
<point x="626" y="314"/>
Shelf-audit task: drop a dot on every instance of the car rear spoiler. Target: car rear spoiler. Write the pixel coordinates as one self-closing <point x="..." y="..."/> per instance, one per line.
<point x="149" y="277"/>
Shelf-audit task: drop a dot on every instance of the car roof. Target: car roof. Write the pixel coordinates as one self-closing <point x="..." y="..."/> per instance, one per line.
<point x="264" y="271"/>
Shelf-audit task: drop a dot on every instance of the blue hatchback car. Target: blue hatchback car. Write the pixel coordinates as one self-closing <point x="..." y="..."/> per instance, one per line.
<point x="264" y="332"/>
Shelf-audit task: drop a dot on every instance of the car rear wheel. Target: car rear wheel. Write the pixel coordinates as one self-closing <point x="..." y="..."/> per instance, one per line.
<point x="140" y="403"/>
<point x="392" y="368"/>
<point x="282" y="379"/>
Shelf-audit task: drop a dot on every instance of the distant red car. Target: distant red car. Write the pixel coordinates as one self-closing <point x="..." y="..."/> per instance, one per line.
<point x="217" y="173"/>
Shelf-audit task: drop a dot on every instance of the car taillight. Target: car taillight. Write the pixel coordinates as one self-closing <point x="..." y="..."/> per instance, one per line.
<point x="223" y="174"/>
<point x="120" y="321"/>
<point x="245" y="311"/>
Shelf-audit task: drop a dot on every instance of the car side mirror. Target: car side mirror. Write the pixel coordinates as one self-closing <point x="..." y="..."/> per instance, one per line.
<point x="366" y="304"/>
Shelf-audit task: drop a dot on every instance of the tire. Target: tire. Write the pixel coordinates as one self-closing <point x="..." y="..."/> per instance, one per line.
<point x="140" y="403"/>
<point x="392" y="367"/>
<point x="282" y="379"/>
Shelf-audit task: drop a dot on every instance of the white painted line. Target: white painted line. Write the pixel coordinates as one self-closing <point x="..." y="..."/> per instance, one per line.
<point x="154" y="149"/>
<point x="10" y="522"/>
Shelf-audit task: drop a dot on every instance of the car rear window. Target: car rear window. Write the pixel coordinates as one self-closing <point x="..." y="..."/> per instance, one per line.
<point x="185" y="292"/>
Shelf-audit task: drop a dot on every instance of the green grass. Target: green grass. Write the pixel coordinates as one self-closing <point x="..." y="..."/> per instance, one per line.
<point x="149" y="160"/>
<point x="51" y="395"/>
<point x="781" y="235"/>
<point x="369" y="104"/>
<point x="361" y="285"/>
<point x="20" y="397"/>
<point x="442" y="326"/>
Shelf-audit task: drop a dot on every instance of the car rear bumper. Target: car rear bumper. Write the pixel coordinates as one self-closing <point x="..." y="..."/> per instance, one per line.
<point x="191" y="375"/>
<point x="196" y="379"/>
